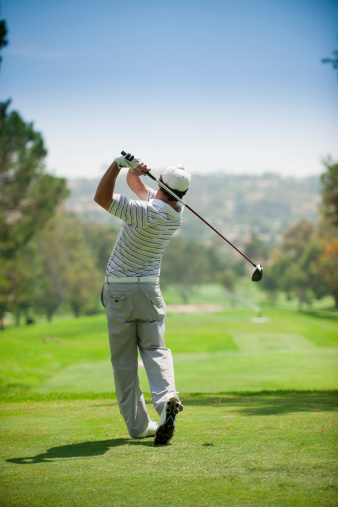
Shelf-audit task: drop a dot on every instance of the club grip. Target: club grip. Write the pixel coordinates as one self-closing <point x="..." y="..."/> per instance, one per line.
<point x="148" y="174"/>
<point x="151" y="176"/>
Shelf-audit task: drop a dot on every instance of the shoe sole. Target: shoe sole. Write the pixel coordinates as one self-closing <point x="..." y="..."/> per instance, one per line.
<point x="165" y="432"/>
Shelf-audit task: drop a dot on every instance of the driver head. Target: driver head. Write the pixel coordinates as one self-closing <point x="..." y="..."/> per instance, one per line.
<point x="257" y="273"/>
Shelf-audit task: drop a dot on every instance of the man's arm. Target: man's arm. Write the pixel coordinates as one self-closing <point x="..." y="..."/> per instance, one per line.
<point x="135" y="182"/>
<point x="105" y="191"/>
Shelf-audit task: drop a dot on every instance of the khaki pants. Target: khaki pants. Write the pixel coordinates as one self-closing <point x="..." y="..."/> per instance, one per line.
<point x="136" y="321"/>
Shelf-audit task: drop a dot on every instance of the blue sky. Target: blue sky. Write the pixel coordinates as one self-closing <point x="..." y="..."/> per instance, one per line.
<point x="232" y="85"/>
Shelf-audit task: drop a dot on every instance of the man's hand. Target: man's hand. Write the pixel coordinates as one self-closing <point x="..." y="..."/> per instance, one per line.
<point x="141" y="169"/>
<point x="126" y="160"/>
<point x="135" y="182"/>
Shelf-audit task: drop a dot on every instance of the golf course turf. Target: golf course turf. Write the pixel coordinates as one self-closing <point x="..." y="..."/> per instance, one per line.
<point x="258" y="426"/>
<point x="276" y="448"/>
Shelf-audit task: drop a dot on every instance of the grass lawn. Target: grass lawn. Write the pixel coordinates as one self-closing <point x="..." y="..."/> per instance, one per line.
<point x="258" y="428"/>
<point x="257" y="449"/>
<point x="222" y="352"/>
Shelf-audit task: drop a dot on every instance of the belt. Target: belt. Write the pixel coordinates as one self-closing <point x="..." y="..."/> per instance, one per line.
<point x="132" y="279"/>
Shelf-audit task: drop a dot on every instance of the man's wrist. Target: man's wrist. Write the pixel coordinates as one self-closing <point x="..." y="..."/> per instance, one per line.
<point x="135" y="172"/>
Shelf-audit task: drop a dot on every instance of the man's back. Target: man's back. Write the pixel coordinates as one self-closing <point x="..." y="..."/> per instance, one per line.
<point x="146" y="231"/>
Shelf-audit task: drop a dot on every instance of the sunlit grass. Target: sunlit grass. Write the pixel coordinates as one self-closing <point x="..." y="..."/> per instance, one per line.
<point x="263" y="449"/>
<point x="212" y="353"/>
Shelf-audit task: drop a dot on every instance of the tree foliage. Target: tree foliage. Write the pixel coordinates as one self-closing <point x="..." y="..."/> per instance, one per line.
<point x="328" y="264"/>
<point x="329" y="180"/>
<point x="256" y="249"/>
<point x="295" y="267"/>
<point x="333" y="60"/>
<point x="3" y="34"/>
<point x="186" y="265"/>
<point x="296" y="277"/>
<point x="28" y="198"/>
<point x="28" y="195"/>
<point x="81" y="278"/>
<point x="60" y="269"/>
<point x="306" y="263"/>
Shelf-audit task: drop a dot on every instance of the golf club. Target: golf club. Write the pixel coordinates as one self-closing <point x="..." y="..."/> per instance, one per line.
<point x="257" y="272"/>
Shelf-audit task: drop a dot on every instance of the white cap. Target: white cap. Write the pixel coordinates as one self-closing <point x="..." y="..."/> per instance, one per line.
<point x="177" y="177"/>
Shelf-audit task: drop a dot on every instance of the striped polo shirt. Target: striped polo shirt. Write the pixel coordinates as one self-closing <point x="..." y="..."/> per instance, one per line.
<point x="146" y="231"/>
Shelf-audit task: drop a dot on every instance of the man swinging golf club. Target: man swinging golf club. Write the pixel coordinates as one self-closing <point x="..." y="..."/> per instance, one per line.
<point x="132" y="297"/>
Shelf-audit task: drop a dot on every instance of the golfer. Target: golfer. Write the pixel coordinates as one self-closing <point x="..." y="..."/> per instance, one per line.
<point x="131" y="294"/>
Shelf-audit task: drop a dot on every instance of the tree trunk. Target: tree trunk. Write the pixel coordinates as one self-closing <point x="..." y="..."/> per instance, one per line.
<point x="17" y="318"/>
<point x="184" y="295"/>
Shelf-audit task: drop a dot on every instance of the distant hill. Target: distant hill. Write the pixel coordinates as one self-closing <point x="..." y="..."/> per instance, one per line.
<point x="235" y="205"/>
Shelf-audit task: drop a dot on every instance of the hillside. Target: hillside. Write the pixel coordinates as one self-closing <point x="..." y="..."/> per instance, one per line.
<point x="236" y="205"/>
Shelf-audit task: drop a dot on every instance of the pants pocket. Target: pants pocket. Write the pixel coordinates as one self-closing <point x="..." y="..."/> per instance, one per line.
<point x="116" y="299"/>
<point x="102" y="298"/>
<point x="157" y="303"/>
<point x="117" y="303"/>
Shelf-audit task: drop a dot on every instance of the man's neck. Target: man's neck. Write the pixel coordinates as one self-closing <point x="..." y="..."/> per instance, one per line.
<point x="162" y="197"/>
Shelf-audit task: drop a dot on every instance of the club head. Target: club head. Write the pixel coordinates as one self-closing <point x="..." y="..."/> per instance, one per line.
<point x="257" y="273"/>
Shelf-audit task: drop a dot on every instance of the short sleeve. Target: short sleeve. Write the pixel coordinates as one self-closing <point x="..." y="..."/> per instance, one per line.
<point x="129" y="210"/>
<point x="151" y="194"/>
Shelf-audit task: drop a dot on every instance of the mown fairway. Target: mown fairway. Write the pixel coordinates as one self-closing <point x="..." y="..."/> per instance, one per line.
<point x="63" y="442"/>
<point x="213" y="353"/>
<point x="271" y="449"/>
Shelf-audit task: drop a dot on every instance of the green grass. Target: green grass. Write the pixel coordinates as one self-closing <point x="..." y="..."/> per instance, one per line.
<point x="257" y="449"/>
<point x="271" y="442"/>
<point x="220" y="352"/>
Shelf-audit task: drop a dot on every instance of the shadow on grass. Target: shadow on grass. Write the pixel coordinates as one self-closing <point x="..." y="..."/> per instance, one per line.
<point x="329" y="313"/>
<point x="267" y="402"/>
<point x="81" y="450"/>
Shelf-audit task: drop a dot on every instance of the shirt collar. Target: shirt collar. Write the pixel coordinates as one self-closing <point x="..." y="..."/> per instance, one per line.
<point x="167" y="208"/>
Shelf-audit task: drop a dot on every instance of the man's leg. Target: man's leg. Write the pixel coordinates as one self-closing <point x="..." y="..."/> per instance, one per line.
<point x="157" y="359"/>
<point x="158" y="363"/>
<point x="159" y="367"/>
<point x="123" y="347"/>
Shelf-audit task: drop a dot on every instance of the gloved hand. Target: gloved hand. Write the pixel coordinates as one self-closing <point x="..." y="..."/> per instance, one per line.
<point x="126" y="160"/>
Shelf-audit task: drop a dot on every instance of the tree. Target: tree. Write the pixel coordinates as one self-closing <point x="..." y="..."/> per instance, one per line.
<point x="329" y="181"/>
<point x="256" y="249"/>
<point x="66" y="265"/>
<point x="186" y="265"/>
<point x="20" y="276"/>
<point x="28" y="196"/>
<point x="333" y="61"/>
<point x="328" y="265"/>
<point x="297" y="238"/>
<point x="3" y="33"/>
<point x="291" y="264"/>
<point x="228" y="279"/>
<point x="50" y="266"/>
<point x="65" y="272"/>
<point x="305" y="265"/>
<point x="81" y="279"/>
<point x="100" y="238"/>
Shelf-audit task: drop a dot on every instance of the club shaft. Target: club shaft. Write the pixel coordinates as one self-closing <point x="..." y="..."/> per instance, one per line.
<point x="198" y="216"/>
<point x="215" y="230"/>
